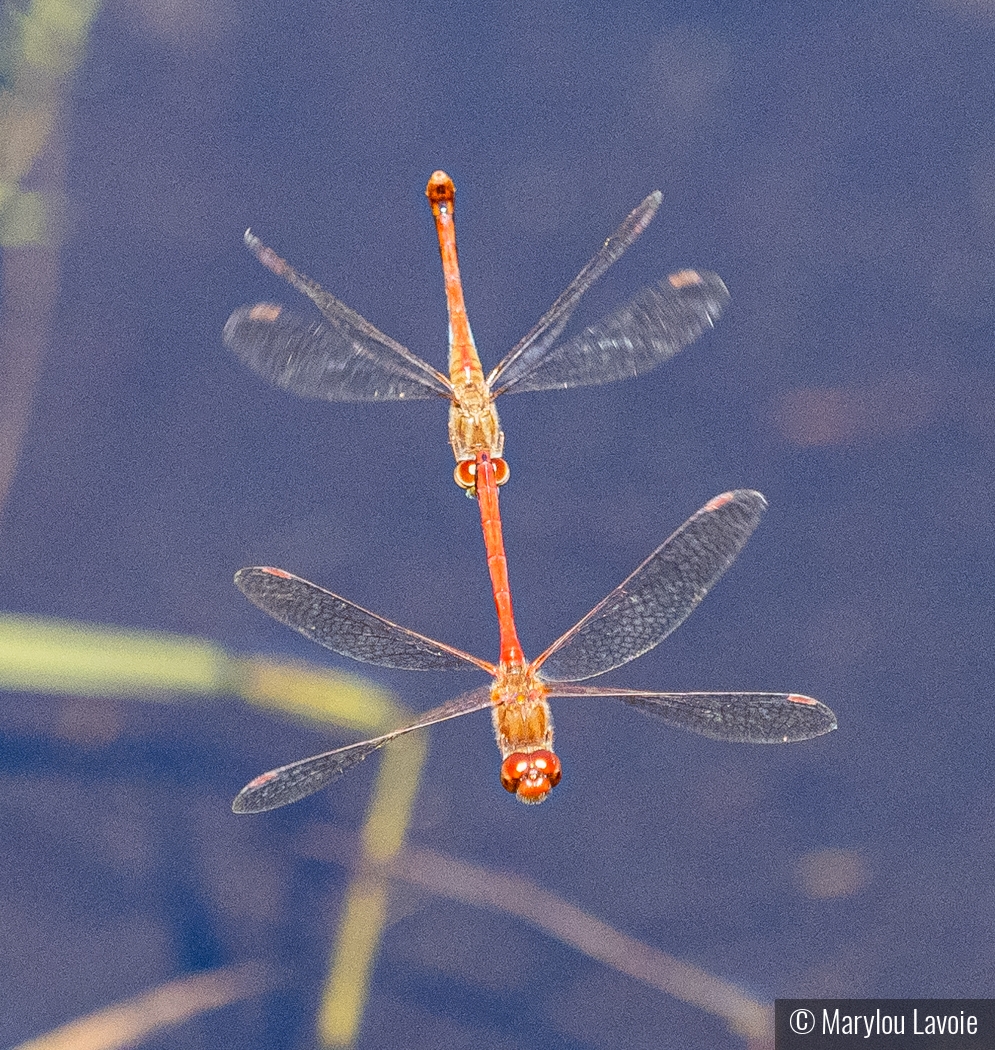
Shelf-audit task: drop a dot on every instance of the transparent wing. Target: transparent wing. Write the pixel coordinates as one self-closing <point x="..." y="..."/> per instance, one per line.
<point x="347" y="359"/>
<point x="279" y="787"/>
<point x="746" y="718"/>
<point x="345" y="628"/>
<point x="645" y="332"/>
<point x="317" y="360"/>
<point x="660" y="595"/>
<point x="522" y="358"/>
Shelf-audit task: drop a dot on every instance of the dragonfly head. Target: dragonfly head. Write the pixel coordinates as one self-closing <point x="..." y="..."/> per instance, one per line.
<point x="531" y="775"/>
<point x="466" y="474"/>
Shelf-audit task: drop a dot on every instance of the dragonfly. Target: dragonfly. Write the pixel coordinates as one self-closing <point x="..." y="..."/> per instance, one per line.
<point x="634" y="618"/>
<point x="345" y="358"/>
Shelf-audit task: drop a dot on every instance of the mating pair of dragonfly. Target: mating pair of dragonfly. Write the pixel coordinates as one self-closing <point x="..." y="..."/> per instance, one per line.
<point x="345" y="358"/>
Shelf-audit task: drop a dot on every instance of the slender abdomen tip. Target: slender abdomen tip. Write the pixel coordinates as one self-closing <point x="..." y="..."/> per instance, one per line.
<point x="440" y="189"/>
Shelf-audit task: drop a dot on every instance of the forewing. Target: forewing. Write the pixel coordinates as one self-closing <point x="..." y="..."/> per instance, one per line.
<point x="645" y="332"/>
<point x="279" y="787"/>
<point x="746" y="718"/>
<point x="660" y="595"/>
<point x="345" y="361"/>
<point x="520" y="361"/>
<point x="345" y="628"/>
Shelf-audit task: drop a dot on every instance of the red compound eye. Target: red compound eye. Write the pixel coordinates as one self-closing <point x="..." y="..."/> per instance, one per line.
<point x="531" y="775"/>
<point x="513" y="768"/>
<point x="466" y="474"/>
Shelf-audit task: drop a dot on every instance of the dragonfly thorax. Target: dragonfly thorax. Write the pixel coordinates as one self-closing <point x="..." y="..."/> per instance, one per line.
<point x="474" y="427"/>
<point x="523" y="725"/>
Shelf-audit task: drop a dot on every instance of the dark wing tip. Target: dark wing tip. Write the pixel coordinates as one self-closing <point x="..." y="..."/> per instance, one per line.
<point x="821" y="719"/>
<point x="261" y="583"/>
<point x="254" y="798"/>
<point x="244" y="577"/>
<point x="269" y="570"/>
<point x="259" y="313"/>
<point x="749" y="500"/>
<point x="651" y="202"/>
<point x="704" y="286"/>
<point x="232" y="325"/>
<point x="254" y="571"/>
<point x="247" y="802"/>
<point x="243" y="804"/>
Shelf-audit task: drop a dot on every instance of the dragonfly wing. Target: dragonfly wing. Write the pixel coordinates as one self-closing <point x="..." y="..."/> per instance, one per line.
<point x="645" y="332"/>
<point x="746" y="718"/>
<point x="660" y="595"/>
<point x="345" y="628"/>
<point x="520" y="361"/>
<point x="333" y="362"/>
<point x="279" y="787"/>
